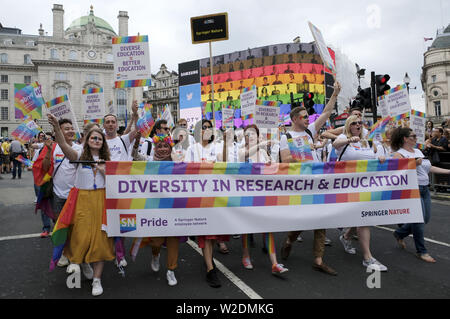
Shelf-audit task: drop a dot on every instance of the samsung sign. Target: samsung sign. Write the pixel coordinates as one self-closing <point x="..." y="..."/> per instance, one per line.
<point x="189" y="73"/>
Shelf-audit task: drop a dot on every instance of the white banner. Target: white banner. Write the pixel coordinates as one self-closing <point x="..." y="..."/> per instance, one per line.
<point x="94" y="104"/>
<point x="398" y="102"/>
<point x="158" y="199"/>
<point x="248" y="102"/>
<point x="62" y="109"/>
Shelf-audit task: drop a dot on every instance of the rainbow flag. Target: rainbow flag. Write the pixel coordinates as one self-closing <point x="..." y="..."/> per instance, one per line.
<point x="379" y="127"/>
<point x="28" y="101"/>
<point x="24" y="160"/>
<point x="145" y="122"/>
<point x="26" y="131"/>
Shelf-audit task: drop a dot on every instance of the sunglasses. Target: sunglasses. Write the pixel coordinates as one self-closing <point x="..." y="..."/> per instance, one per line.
<point x="164" y="128"/>
<point x="354" y="123"/>
<point x="183" y="125"/>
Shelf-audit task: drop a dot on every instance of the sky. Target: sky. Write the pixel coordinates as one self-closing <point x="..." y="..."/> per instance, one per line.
<point x="385" y="36"/>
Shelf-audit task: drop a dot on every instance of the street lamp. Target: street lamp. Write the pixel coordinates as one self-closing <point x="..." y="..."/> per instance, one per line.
<point x="407" y="80"/>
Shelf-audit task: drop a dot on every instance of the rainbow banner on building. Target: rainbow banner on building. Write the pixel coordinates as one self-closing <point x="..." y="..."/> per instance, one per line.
<point x="177" y="199"/>
<point x="131" y="58"/>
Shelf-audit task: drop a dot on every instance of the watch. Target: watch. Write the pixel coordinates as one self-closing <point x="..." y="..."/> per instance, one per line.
<point x="92" y="54"/>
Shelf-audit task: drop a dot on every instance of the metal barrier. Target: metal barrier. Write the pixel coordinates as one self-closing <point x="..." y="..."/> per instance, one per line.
<point x="441" y="180"/>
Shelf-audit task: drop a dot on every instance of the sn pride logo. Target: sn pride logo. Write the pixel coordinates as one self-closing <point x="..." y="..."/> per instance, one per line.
<point x="127" y="223"/>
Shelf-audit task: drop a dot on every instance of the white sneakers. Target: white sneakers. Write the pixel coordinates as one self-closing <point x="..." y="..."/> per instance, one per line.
<point x="155" y="263"/>
<point x="374" y="264"/>
<point x="63" y="261"/>
<point x="171" y="278"/>
<point x="347" y="243"/>
<point x="97" y="288"/>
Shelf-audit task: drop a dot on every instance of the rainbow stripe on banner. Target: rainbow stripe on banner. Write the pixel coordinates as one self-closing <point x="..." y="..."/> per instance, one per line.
<point x="417" y="113"/>
<point x="130" y="39"/>
<point x="395" y="89"/>
<point x="57" y="101"/>
<point x="249" y="89"/>
<point x="132" y="83"/>
<point x="255" y="201"/>
<point x="96" y="121"/>
<point x="400" y="117"/>
<point x="267" y="103"/>
<point x="171" y="168"/>
<point x="93" y="90"/>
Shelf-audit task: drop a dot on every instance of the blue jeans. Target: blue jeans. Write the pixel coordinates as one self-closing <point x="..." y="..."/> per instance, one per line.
<point x="17" y="167"/>
<point x="417" y="229"/>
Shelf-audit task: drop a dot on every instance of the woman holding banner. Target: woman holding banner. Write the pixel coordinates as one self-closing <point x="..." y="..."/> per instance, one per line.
<point x="205" y="151"/>
<point x="255" y="153"/>
<point x="352" y="145"/>
<point x="404" y="143"/>
<point x="83" y="212"/>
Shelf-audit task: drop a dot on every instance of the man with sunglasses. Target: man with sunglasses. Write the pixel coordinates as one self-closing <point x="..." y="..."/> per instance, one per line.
<point x="298" y="146"/>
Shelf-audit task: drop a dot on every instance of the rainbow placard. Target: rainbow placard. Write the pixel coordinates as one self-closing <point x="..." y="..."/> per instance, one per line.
<point x="93" y="104"/>
<point x="267" y="114"/>
<point x="26" y="131"/>
<point x="131" y="57"/>
<point x="145" y="122"/>
<point x="61" y="108"/>
<point x="28" y="101"/>
<point x="176" y="199"/>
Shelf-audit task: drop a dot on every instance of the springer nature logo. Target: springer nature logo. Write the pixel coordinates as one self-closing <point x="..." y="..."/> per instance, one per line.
<point x="127" y="223"/>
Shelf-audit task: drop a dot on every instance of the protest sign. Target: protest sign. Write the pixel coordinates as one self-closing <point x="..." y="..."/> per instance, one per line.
<point x="322" y="47"/>
<point x="26" y="130"/>
<point x="28" y="100"/>
<point x="60" y="107"/>
<point x="397" y="101"/>
<point x="417" y="123"/>
<point x="131" y="61"/>
<point x="176" y="199"/>
<point x="145" y="122"/>
<point x="248" y="102"/>
<point x="267" y="114"/>
<point x="227" y="116"/>
<point x="94" y="105"/>
<point x="383" y="107"/>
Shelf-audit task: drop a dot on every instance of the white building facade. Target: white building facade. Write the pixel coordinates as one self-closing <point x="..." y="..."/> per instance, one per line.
<point x="436" y="77"/>
<point x="72" y="59"/>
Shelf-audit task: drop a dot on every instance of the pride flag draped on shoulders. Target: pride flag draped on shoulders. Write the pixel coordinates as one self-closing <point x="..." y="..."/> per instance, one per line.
<point x="42" y="179"/>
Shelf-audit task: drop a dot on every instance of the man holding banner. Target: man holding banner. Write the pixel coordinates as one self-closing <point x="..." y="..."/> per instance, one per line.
<point x="298" y="146"/>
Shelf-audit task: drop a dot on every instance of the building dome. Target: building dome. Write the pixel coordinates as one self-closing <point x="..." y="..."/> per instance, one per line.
<point x="442" y="40"/>
<point x="83" y="21"/>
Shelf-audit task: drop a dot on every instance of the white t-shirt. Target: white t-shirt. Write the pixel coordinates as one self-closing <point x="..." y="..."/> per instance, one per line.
<point x="422" y="170"/>
<point x="354" y="151"/>
<point x="303" y="145"/>
<point x="64" y="179"/>
<point x="87" y="178"/>
<point x="117" y="149"/>
<point x="198" y="153"/>
<point x="36" y="151"/>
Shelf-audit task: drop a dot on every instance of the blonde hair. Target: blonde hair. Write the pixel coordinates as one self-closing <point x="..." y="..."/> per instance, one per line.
<point x="348" y="132"/>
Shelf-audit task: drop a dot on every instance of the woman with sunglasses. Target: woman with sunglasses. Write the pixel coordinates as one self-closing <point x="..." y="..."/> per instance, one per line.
<point x="351" y="145"/>
<point x="205" y="150"/>
<point x="87" y="242"/>
<point x="404" y="143"/>
<point x="255" y="153"/>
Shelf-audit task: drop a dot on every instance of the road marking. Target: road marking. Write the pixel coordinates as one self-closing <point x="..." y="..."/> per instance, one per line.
<point x="20" y="237"/>
<point x="232" y="277"/>
<point x="426" y="239"/>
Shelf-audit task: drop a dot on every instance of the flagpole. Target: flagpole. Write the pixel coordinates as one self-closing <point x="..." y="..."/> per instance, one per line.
<point x="212" y="81"/>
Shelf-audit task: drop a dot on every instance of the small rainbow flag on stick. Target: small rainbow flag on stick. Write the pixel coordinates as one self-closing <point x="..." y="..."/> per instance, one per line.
<point x="24" y="160"/>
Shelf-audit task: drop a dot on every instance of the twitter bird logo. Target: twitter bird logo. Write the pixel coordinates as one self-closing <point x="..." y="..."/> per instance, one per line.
<point x="189" y="96"/>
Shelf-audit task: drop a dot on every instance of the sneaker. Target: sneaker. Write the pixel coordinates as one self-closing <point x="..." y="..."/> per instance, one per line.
<point x="278" y="269"/>
<point x="97" y="288"/>
<point x="300" y="238"/>
<point x="247" y="263"/>
<point x="122" y="263"/>
<point x="374" y="264"/>
<point x="88" y="272"/>
<point x="212" y="279"/>
<point x="327" y="241"/>
<point x="171" y="278"/>
<point x="155" y="263"/>
<point x="63" y="261"/>
<point x="45" y="234"/>
<point x="347" y="243"/>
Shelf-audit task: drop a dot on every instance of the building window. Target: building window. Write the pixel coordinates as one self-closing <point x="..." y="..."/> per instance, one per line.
<point x="3" y="58"/>
<point x="433" y="78"/>
<point x="30" y="43"/>
<point x="4" y="78"/>
<point x="27" y="79"/>
<point x="92" y="77"/>
<point x="174" y="92"/>
<point x="121" y="103"/>
<point x="60" y="91"/>
<point x="54" y="54"/>
<point x="437" y="108"/>
<point x="4" y="94"/>
<point x="154" y="95"/>
<point x="8" y="42"/>
<point x="4" y="132"/>
<point x="27" y="59"/>
<point x="109" y="57"/>
<point x="61" y="76"/>
<point x="4" y="113"/>
<point x="73" y="55"/>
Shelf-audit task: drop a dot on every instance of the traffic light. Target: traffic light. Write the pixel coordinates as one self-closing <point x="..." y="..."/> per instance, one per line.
<point x="363" y="99"/>
<point x="308" y="102"/>
<point x="381" y="82"/>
